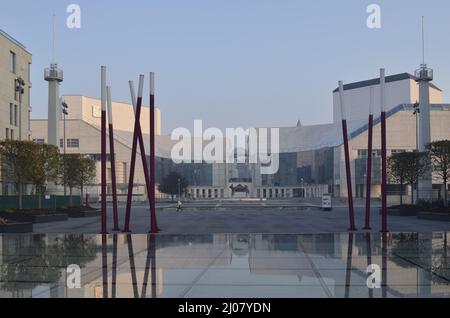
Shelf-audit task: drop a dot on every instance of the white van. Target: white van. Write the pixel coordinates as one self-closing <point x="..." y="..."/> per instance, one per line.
<point x="326" y="202"/>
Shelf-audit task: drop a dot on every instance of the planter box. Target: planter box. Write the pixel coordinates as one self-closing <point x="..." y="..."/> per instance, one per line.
<point x="84" y="213"/>
<point x="39" y="218"/>
<point x="434" y="216"/>
<point x="402" y="211"/>
<point x="16" y="228"/>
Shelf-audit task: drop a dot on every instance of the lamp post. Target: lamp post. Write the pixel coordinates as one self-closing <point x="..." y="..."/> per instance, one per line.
<point x="65" y="112"/>
<point x="416" y="113"/>
<point x="20" y="84"/>
<point x="179" y="189"/>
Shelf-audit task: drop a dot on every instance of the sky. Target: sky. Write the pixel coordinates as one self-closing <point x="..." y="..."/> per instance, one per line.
<point x="231" y="63"/>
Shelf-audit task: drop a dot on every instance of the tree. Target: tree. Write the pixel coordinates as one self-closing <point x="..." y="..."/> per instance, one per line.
<point x="406" y="168"/>
<point x="18" y="158"/>
<point x="45" y="168"/>
<point x="440" y="160"/>
<point x="172" y="184"/>
<point x="86" y="172"/>
<point x="70" y="169"/>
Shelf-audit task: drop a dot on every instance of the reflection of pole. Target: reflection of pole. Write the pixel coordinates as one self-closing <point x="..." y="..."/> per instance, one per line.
<point x="348" y="271"/>
<point x="114" y="267"/>
<point x="347" y="160"/>
<point x="103" y="148"/>
<point x="152" y="199"/>
<point x="369" y="257"/>
<point x="383" y="153"/>
<point x="105" y="266"/>
<point x="369" y="163"/>
<point x="112" y="157"/>
<point x="132" y="266"/>
<point x="384" y="248"/>
<point x="150" y="265"/>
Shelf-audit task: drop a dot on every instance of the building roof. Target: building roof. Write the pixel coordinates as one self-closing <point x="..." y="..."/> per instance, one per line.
<point x="307" y="138"/>
<point x="13" y="40"/>
<point x="376" y="81"/>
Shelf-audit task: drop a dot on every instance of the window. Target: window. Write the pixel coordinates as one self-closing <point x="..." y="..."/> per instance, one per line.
<point x="73" y="143"/>
<point x="11" y="114"/>
<point x="12" y="134"/>
<point x="39" y="141"/>
<point x="12" y="57"/>
<point x="29" y="120"/>
<point x="7" y="133"/>
<point x="15" y="115"/>
<point x="61" y="143"/>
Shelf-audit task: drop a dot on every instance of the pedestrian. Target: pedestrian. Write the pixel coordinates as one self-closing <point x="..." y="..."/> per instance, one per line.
<point x="179" y="206"/>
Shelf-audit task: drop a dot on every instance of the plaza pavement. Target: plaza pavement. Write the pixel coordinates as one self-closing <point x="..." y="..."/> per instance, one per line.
<point x="271" y="217"/>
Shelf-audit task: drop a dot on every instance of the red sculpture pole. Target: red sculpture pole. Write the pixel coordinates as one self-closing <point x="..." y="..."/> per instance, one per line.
<point x="152" y="199"/>
<point x="112" y="156"/>
<point x="351" y="210"/>
<point x="133" y="154"/>
<point x="137" y="137"/>
<point x="103" y="149"/>
<point x="369" y="163"/>
<point x="384" y="227"/>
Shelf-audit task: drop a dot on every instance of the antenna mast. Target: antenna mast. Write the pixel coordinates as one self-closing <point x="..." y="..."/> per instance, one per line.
<point x="53" y="39"/>
<point x="423" y="40"/>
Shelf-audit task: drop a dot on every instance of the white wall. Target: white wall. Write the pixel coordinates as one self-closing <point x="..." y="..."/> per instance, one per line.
<point x="400" y="92"/>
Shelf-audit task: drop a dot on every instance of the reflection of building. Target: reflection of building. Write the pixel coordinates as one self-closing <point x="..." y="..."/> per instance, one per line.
<point x="15" y="87"/>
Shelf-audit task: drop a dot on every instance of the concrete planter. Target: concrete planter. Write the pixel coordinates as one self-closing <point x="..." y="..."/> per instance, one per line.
<point x="16" y="228"/>
<point x="405" y="211"/>
<point x="37" y="218"/>
<point x="84" y="213"/>
<point x="434" y="216"/>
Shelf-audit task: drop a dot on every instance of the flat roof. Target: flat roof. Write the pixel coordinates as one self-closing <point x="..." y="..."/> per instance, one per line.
<point x="376" y="81"/>
<point x="13" y="40"/>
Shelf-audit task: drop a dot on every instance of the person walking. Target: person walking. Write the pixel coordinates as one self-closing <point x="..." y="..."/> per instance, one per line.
<point x="179" y="206"/>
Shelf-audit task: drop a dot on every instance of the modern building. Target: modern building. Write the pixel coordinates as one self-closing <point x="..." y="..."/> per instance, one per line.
<point x="311" y="158"/>
<point x="15" y="86"/>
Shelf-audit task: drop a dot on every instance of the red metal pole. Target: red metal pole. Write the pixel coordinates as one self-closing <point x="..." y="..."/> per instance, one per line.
<point x="132" y="166"/>
<point x="369" y="173"/>
<point x="348" y="172"/>
<point x="137" y="137"/>
<point x="103" y="149"/>
<point x="384" y="227"/>
<point x="112" y="155"/>
<point x="152" y="199"/>
<point x="383" y="174"/>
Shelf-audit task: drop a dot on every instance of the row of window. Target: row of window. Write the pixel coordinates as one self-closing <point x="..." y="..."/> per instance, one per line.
<point x="362" y="153"/>
<point x="71" y="142"/>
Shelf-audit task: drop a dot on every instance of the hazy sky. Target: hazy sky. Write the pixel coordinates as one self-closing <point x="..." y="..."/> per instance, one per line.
<point x="229" y="62"/>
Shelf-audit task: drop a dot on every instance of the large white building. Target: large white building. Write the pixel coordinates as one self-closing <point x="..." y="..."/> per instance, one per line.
<point x="311" y="157"/>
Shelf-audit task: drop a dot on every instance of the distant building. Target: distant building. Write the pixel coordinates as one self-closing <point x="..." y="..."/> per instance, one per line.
<point x="15" y="108"/>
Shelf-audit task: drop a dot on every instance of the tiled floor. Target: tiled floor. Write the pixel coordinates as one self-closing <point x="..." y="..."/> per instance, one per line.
<point x="226" y="265"/>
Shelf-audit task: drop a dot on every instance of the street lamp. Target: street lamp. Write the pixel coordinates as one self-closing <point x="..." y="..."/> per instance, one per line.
<point x="64" y="108"/>
<point x="20" y="84"/>
<point x="179" y="189"/>
<point x="416" y="113"/>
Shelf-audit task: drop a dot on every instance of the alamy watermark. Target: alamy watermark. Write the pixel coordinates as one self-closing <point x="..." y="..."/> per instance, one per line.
<point x="237" y="145"/>
<point x="374" y="19"/>
<point x="73" y="279"/>
<point x="73" y="21"/>
<point x="374" y="279"/>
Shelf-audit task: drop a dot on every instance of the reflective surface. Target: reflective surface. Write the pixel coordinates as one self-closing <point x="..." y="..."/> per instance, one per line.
<point x="327" y="265"/>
